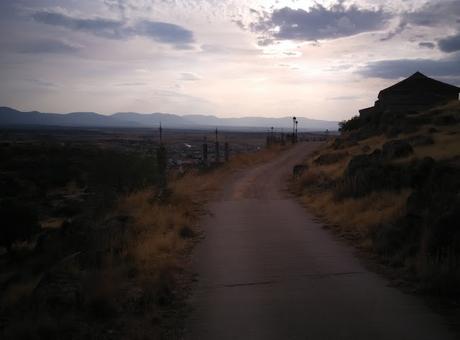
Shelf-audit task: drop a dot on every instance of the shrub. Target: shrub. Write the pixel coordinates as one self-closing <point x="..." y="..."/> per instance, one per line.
<point x="350" y="125"/>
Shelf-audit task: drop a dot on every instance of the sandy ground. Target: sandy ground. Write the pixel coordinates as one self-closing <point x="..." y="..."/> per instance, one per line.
<point x="267" y="270"/>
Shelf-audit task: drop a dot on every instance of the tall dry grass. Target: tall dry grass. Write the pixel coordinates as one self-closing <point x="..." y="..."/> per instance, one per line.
<point x="136" y="277"/>
<point x="361" y="219"/>
<point x="164" y="230"/>
<point x="357" y="216"/>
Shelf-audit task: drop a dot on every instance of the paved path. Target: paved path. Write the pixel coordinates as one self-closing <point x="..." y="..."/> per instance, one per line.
<point x="267" y="270"/>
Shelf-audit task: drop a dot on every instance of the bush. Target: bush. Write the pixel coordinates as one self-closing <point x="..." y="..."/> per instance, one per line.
<point x="350" y="125"/>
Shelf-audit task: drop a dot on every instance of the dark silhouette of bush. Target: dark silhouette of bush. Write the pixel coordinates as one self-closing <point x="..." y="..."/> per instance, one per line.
<point x="351" y="124"/>
<point x="34" y="170"/>
<point x="19" y="223"/>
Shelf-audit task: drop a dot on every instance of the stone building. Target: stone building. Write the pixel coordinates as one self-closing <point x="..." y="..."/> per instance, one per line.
<point x="416" y="93"/>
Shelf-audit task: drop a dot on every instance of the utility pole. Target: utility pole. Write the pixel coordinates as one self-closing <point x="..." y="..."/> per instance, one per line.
<point x="294" y="120"/>
<point x="161" y="134"/>
<point x="162" y="162"/>
<point x="226" y="151"/>
<point x="296" y="135"/>
<point x="205" y="151"/>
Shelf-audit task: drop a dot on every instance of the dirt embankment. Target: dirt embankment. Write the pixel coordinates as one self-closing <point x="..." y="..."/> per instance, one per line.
<point x="393" y="189"/>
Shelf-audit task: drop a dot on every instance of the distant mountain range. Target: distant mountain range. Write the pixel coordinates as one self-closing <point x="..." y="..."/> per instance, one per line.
<point x="10" y="118"/>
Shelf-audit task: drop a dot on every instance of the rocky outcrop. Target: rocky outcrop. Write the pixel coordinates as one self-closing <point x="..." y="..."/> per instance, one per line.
<point x="330" y="158"/>
<point x="396" y="149"/>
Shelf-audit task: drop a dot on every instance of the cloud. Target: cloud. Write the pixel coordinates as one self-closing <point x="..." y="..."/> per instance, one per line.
<point x="118" y="5"/>
<point x="228" y="50"/>
<point x="435" y="13"/>
<point x="319" y="22"/>
<point x="42" y="83"/>
<point x="106" y="28"/>
<point x="188" y="76"/>
<point x="165" y="33"/>
<point x="397" y="68"/>
<point x="343" y="98"/>
<point x="450" y="44"/>
<point x="47" y="46"/>
<point x="399" y="29"/>
<point x="162" y="32"/>
<point x="426" y="44"/>
<point x="132" y="84"/>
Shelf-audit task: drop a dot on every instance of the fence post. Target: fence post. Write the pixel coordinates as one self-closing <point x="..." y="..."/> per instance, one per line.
<point x="217" y="147"/>
<point x="226" y="151"/>
<point x="162" y="164"/>
<point x="217" y="153"/>
<point x="205" y="151"/>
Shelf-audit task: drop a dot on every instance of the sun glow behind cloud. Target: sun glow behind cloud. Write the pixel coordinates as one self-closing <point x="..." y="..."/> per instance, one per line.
<point x="322" y="59"/>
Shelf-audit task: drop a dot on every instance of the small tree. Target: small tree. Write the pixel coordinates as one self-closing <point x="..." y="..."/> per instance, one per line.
<point x="19" y="223"/>
<point x="350" y="125"/>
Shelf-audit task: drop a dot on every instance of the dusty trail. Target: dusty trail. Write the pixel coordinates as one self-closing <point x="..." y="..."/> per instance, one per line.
<point x="267" y="270"/>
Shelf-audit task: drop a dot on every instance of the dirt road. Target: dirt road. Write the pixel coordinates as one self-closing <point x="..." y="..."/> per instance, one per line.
<point x="267" y="270"/>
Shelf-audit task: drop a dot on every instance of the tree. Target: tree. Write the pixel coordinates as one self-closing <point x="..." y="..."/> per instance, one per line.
<point x="351" y="124"/>
<point x="19" y="223"/>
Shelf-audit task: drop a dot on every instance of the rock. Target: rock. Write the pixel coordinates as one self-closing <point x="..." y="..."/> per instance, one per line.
<point x="299" y="169"/>
<point x="420" y="140"/>
<point x="445" y="120"/>
<point x="342" y="143"/>
<point x="367" y="173"/>
<point x="363" y="174"/>
<point x="420" y="171"/>
<point x="363" y="161"/>
<point x="330" y="158"/>
<point x="396" y="149"/>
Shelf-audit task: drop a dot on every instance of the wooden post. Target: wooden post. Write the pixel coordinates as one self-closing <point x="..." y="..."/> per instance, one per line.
<point x="296" y="135"/>
<point x="162" y="161"/>
<point x="226" y="151"/>
<point x="162" y="165"/>
<point x="205" y="151"/>
<point x="293" y="129"/>
<point x="217" y="148"/>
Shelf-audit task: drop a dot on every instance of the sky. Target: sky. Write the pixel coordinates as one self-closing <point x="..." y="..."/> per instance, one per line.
<point x="317" y="59"/>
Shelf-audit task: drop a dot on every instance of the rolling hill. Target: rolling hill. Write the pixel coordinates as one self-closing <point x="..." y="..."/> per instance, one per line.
<point x="11" y="117"/>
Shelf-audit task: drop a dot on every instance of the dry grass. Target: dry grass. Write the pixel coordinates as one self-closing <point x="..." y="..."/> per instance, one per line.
<point x="446" y="145"/>
<point x="164" y="230"/>
<point x="357" y="215"/>
<point x="199" y="186"/>
<point x="157" y="240"/>
<point x="134" y="279"/>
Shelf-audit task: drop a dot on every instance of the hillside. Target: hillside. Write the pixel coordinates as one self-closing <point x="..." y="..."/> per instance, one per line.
<point x="12" y="117"/>
<point x="392" y="187"/>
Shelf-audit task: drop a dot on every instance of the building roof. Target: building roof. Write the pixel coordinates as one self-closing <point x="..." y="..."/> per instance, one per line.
<point x="418" y="82"/>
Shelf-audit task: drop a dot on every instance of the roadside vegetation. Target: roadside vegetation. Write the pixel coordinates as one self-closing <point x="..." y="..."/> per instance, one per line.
<point x="93" y="246"/>
<point x="392" y="187"/>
